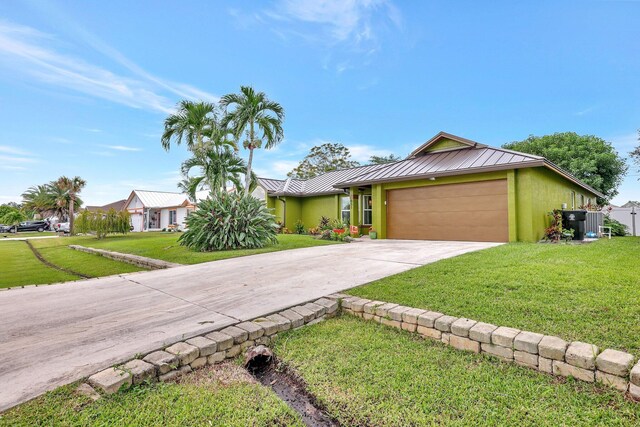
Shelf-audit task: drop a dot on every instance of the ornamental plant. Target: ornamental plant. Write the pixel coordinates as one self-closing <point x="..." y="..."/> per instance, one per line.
<point x="229" y="221"/>
<point x="102" y="223"/>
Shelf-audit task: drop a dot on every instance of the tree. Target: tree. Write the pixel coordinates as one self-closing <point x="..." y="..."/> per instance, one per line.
<point x="381" y="160"/>
<point x="323" y="158"/>
<point x="70" y="187"/>
<point x="217" y="167"/>
<point x="189" y="123"/>
<point x="10" y="215"/>
<point x="253" y="113"/>
<point x="589" y="158"/>
<point x="635" y="154"/>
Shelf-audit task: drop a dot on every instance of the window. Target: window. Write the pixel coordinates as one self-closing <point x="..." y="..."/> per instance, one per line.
<point x="573" y="200"/>
<point x="345" y="209"/>
<point x="173" y="217"/>
<point x="366" y="209"/>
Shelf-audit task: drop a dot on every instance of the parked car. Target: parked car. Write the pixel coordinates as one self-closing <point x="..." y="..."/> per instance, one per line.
<point x="38" y="226"/>
<point x="6" y="228"/>
<point x="61" y="226"/>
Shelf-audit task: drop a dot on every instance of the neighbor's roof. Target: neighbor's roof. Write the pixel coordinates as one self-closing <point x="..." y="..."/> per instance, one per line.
<point x="118" y="206"/>
<point x="160" y="199"/>
<point x="319" y="185"/>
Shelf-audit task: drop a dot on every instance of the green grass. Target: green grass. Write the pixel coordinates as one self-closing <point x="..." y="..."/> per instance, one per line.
<point x="367" y="374"/>
<point x="587" y="292"/>
<point x="26" y="234"/>
<point x="165" y="246"/>
<point x="84" y="263"/>
<point x="189" y="403"/>
<point x="21" y="267"/>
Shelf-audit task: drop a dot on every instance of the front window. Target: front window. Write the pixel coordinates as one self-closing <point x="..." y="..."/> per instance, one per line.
<point x="366" y="209"/>
<point x="345" y="209"/>
<point x="173" y="217"/>
<point x="573" y="200"/>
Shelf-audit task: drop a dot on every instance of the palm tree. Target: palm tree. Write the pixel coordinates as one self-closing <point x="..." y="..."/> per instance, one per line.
<point x="70" y="187"/>
<point x="37" y="199"/>
<point x="253" y="112"/>
<point x="218" y="167"/>
<point x="190" y="123"/>
<point x="190" y="186"/>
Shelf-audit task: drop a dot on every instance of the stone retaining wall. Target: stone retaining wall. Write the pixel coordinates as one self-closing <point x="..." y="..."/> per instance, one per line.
<point x="545" y="353"/>
<point x="140" y="261"/>
<point x="175" y="360"/>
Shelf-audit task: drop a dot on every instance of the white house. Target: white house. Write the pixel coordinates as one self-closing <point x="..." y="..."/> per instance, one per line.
<point x="157" y="210"/>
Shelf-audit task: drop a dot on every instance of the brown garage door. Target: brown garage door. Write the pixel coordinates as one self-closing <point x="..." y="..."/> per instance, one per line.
<point x="475" y="211"/>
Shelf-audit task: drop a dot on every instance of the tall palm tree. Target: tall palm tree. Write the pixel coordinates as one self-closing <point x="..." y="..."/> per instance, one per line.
<point x="71" y="187"/>
<point x="190" y="186"/>
<point x="218" y="167"/>
<point x="253" y="113"/>
<point x="37" y="199"/>
<point x="189" y="123"/>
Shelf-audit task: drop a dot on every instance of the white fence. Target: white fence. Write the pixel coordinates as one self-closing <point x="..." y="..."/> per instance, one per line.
<point x="627" y="216"/>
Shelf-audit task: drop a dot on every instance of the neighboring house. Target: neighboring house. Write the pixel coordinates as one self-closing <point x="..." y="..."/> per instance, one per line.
<point x="117" y="206"/>
<point x="158" y="210"/>
<point x="449" y="188"/>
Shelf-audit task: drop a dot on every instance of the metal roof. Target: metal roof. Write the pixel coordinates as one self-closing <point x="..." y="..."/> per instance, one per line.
<point x="321" y="184"/>
<point x="458" y="162"/>
<point x="161" y="199"/>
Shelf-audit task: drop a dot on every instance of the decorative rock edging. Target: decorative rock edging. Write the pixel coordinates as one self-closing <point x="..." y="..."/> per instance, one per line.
<point x="138" y="260"/>
<point x="544" y="353"/>
<point x="182" y="357"/>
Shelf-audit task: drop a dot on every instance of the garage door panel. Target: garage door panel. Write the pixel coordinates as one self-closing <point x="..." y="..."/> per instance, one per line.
<point x="474" y="211"/>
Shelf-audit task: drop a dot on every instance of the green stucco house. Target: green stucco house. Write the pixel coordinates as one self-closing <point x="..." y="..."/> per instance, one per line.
<point x="449" y="188"/>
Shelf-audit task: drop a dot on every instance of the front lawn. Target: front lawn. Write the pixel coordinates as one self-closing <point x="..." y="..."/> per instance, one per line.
<point x="165" y="246"/>
<point x="23" y="234"/>
<point x="367" y="374"/>
<point x="20" y="267"/>
<point x="215" y="396"/>
<point x="588" y="292"/>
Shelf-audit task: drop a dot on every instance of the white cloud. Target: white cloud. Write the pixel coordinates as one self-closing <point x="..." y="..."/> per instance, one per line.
<point x="12" y="168"/>
<point x="15" y="159"/>
<point x="342" y="20"/>
<point x="31" y="53"/>
<point x="122" y="148"/>
<point x="625" y="143"/>
<point x="362" y="153"/>
<point x="13" y="150"/>
<point x="61" y="140"/>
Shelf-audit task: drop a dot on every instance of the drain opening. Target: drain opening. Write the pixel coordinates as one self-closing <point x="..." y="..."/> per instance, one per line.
<point x="262" y="364"/>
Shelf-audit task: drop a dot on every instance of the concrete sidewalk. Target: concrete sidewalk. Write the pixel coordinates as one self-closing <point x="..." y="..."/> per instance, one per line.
<point x="54" y="335"/>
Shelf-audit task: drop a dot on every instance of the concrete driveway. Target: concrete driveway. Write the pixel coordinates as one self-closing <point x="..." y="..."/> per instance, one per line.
<point x="54" y="335"/>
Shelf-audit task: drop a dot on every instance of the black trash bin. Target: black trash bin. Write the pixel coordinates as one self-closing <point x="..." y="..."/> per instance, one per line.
<point x="575" y="220"/>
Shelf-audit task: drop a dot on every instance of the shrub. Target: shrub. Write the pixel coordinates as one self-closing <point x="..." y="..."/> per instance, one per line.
<point x="326" y="235"/>
<point x="299" y="227"/>
<point x="102" y="223"/>
<point x="554" y="231"/>
<point x="229" y="221"/>
<point x="617" y="228"/>
<point x="325" y="223"/>
<point x="314" y="231"/>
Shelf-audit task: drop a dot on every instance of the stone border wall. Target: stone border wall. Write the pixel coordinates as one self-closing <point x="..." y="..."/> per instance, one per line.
<point x="177" y="359"/>
<point x="140" y="261"/>
<point x="544" y="353"/>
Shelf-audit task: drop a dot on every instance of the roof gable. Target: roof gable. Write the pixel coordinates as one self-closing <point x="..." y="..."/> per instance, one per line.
<point x="444" y="141"/>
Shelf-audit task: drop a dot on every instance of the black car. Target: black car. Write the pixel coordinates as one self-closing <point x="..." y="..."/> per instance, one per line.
<point x="6" y="228"/>
<point x="38" y="226"/>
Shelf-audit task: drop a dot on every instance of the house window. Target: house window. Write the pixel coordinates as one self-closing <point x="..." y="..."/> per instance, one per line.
<point x="345" y="209"/>
<point x="366" y="209"/>
<point x="573" y="200"/>
<point x="582" y="205"/>
<point x="173" y="217"/>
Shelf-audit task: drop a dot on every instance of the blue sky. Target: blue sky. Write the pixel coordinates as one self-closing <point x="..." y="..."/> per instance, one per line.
<point x="85" y="86"/>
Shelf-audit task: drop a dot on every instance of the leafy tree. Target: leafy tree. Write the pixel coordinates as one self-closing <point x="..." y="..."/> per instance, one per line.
<point x="229" y="221"/>
<point x="70" y="187"/>
<point x="48" y="200"/>
<point x="323" y="158"/>
<point x="102" y="223"/>
<point x="190" y="123"/>
<point x="380" y="160"/>
<point x="253" y="114"/>
<point x="589" y="158"/>
<point x="217" y="168"/>
<point x="12" y="217"/>
<point x="635" y="154"/>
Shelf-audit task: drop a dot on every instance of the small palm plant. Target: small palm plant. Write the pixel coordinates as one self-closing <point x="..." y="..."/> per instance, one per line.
<point x="70" y="187"/>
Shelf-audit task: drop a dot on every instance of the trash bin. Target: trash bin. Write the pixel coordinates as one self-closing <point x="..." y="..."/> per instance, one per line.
<point x="575" y="220"/>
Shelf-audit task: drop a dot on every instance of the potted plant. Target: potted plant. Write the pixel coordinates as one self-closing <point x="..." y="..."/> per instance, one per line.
<point x="373" y="234"/>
